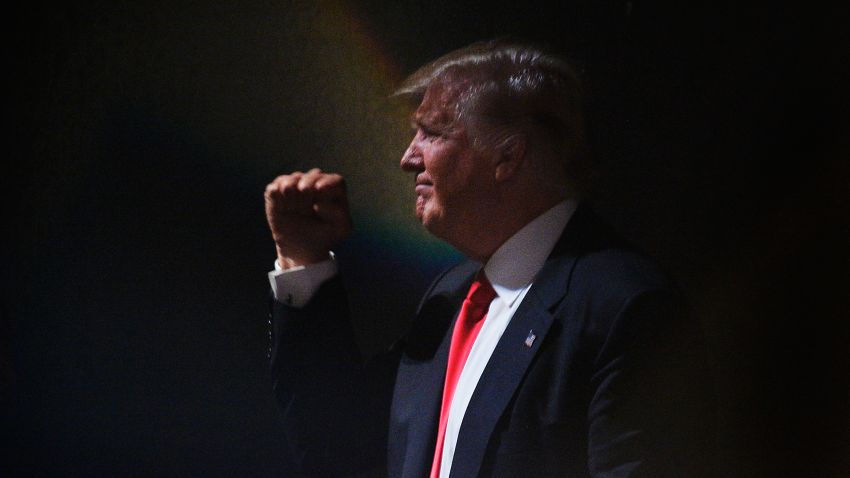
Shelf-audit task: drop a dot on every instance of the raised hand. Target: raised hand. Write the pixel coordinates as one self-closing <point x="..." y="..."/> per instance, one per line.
<point x="307" y="214"/>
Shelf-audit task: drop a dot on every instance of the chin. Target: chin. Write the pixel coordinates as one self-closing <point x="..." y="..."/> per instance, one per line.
<point x="424" y="213"/>
<point x="428" y="221"/>
<point x="436" y="228"/>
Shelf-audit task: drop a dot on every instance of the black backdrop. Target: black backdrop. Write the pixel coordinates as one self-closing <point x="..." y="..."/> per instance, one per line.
<point x="135" y="250"/>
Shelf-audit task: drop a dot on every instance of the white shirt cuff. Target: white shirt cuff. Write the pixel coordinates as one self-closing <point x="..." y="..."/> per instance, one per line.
<point x="296" y="286"/>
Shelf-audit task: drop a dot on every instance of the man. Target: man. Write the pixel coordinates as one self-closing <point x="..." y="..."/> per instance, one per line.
<point x="555" y="351"/>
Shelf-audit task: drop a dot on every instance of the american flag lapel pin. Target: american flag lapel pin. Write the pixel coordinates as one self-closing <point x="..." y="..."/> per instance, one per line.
<point x="529" y="341"/>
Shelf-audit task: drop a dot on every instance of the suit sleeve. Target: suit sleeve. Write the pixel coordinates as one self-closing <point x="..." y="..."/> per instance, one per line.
<point x="651" y="412"/>
<point x="334" y="407"/>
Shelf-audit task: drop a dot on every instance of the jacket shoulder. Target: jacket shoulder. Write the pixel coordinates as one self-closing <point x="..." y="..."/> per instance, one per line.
<point x="613" y="284"/>
<point x="607" y="265"/>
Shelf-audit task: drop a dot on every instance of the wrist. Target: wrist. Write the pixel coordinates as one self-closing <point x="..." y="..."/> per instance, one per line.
<point x="289" y="260"/>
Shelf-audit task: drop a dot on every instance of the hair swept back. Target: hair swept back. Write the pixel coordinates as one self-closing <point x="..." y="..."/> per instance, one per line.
<point x="513" y="87"/>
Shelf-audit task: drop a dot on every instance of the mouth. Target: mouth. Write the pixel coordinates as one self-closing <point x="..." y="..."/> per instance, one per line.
<point x="423" y="185"/>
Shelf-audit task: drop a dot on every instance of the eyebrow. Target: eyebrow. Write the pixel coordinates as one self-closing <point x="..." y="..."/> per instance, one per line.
<point x="419" y="122"/>
<point x="417" y="118"/>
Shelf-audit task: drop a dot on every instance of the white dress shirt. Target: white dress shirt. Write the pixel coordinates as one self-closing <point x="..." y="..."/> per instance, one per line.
<point x="511" y="271"/>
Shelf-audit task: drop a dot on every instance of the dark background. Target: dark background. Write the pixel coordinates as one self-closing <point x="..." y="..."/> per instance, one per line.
<point x="135" y="251"/>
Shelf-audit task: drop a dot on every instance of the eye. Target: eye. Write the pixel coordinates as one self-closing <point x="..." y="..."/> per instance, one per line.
<point x="424" y="132"/>
<point x="429" y="134"/>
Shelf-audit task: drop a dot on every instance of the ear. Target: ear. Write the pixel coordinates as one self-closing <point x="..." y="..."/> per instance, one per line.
<point x="511" y="156"/>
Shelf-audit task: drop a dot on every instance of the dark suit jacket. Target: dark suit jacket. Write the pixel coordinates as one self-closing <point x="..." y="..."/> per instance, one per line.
<point x="614" y="384"/>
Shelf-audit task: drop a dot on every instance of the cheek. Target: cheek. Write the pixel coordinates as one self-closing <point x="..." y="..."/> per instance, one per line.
<point x="444" y="165"/>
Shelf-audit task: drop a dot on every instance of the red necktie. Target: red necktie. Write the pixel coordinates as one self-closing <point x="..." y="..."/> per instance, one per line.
<point x="469" y="321"/>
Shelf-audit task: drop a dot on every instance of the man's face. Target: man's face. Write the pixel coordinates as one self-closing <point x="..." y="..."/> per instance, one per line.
<point x="451" y="177"/>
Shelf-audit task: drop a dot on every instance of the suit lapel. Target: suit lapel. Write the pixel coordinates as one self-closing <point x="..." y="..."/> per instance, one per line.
<point x="421" y="376"/>
<point x="422" y="412"/>
<point x="514" y="352"/>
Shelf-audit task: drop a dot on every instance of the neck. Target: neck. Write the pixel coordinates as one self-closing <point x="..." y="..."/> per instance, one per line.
<point x="509" y="218"/>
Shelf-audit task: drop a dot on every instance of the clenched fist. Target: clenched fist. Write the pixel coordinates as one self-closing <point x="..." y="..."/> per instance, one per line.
<point x="307" y="214"/>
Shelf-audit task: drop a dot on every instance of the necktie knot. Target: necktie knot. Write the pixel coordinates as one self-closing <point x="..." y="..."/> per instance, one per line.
<point x="481" y="292"/>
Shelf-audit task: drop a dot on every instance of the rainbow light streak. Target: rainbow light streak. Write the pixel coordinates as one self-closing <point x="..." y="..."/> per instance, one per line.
<point x="367" y="132"/>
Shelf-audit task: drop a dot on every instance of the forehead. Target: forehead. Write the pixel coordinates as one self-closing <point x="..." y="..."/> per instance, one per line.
<point x="438" y="108"/>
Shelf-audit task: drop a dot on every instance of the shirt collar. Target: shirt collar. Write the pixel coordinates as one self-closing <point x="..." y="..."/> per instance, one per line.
<point x="515" y="263"/>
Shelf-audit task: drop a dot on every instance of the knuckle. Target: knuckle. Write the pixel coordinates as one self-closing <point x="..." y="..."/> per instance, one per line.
<point x="272" y="191"/>
<point x="305" y="183"/>
<point x="289" y="183"/>
<point x="334" y="180"/>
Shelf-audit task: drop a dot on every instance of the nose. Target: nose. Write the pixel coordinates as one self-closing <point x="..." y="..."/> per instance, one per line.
<point x="411" y="161"/>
